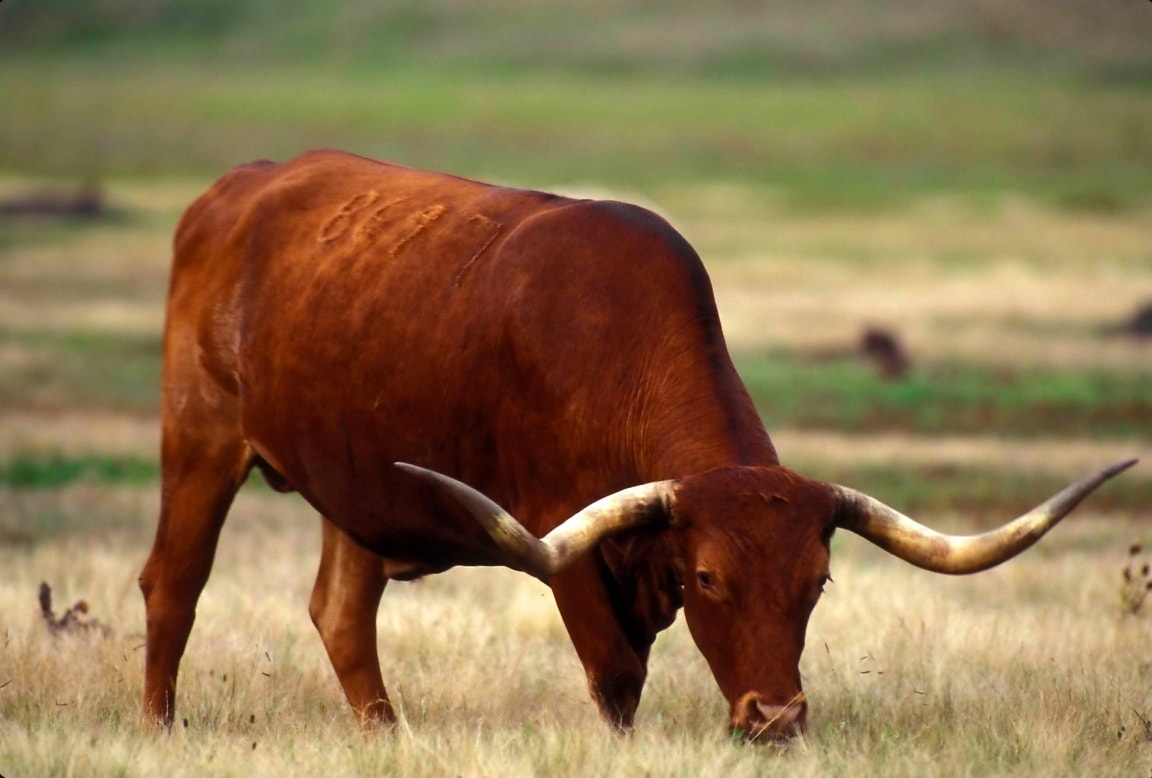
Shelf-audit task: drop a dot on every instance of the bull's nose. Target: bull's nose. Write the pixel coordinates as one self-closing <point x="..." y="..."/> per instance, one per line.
<point x="761" y="720"/>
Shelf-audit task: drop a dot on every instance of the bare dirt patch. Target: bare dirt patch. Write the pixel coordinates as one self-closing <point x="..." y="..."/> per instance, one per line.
<point x="79" y="432"/>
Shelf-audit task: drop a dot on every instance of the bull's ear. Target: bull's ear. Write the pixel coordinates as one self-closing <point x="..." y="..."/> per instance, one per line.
<point x="649" y="503"/>
<point x="958" y="555"/>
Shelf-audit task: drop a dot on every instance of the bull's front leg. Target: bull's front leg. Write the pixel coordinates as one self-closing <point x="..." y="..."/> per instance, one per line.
<point x="615" y="662"/>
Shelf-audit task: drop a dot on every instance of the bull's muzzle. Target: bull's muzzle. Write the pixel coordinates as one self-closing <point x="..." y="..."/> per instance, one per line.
<point x="758" y="720"/>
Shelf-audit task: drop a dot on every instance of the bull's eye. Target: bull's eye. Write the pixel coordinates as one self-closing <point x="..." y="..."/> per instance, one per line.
<point x="705" y="579"/>
<point x="824" y="580"/>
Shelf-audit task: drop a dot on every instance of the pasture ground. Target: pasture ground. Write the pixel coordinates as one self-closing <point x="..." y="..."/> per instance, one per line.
<point x="1019" y="383"/>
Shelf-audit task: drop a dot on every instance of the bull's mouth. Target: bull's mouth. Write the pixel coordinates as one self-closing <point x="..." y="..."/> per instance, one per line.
<point x="756" y="720"/>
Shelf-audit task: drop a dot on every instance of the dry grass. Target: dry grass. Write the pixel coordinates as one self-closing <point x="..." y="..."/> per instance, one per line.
<point x="1029" y="669"/>
<point x="78" y="432"/>
<point x="1013" y="285"/>
<point x="108" y="278"/>
<point x="1051" y="456"/>
<point x="128" y="434"/>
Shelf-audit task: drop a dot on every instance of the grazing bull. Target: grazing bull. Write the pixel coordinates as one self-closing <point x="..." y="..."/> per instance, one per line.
<point x="332" y="315"/>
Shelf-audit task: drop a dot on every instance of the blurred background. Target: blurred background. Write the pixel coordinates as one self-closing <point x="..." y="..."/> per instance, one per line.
<point x="928" y="222"/>
<point x="835" y="103"/>
<point x="929" y="228"/>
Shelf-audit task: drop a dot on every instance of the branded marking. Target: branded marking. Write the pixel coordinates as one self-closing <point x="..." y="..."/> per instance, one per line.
<point x="341" y="221"/>
<point x="378" y="221"/>
<point x="417" y="223"/>
<point x="489" y="230"/>
<point x="365" y="220"/>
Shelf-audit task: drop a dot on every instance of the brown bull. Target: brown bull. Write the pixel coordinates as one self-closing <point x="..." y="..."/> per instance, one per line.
<point x="332" y="315"/>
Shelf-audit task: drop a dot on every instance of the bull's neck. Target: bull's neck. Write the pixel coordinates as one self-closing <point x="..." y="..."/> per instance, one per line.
<point x="704" y="419"/>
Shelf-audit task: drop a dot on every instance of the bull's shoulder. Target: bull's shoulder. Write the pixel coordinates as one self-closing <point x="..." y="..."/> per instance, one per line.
<point x="233" y="186"/>
<point x="628" y="246"/>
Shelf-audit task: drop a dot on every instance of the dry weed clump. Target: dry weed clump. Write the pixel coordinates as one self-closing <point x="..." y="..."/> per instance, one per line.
<point x="1137" y="586"/>
<point x="71" y="622"/>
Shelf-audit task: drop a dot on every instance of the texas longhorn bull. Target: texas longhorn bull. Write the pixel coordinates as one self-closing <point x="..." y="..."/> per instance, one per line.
<point x="332" y="315"/>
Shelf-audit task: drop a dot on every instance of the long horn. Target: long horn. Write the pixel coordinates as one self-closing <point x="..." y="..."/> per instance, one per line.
<point x="545" y="557"/>
<point x="959" y="555"/>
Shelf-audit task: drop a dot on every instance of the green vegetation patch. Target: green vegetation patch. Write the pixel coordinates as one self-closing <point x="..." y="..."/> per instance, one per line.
<point x="55" y="370"/>
<point x="834" y="104"/>
<point x="54" y="469"/>
<point x="847" y="394"/>
<point x="610" y="37"/>
<point x="977" y="492"/>
<point x="851" y="143"/>
<point x="85" y="507"/>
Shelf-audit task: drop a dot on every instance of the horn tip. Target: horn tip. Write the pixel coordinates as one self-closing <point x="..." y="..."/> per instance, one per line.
<point x="1120" y="467"/>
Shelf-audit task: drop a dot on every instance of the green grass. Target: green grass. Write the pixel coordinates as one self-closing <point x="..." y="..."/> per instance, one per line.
<point x="54" y="469"/>
<point x="611" y="37"/>
<point x="983" y="496"/>
<point x="855" y="143"/>
<point x="120" y="371"/>
<point x="114" y="371"/>
<point x="976" y="492"/>
<point x="847" y="394"/>
<point x="834" y="104"/>
<point x="85" y="509"/>
<point x="830" y="106"/>
<point x="18" y="233"/>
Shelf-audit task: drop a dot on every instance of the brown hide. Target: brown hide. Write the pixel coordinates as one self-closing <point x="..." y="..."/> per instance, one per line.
<point x="331" y="315"/>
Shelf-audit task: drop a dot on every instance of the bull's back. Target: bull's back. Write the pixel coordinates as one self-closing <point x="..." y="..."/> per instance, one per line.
<point x="319" y="250"/>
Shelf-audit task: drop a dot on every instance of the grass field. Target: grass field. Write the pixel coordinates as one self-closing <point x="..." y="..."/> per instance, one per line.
<point x="975" y="176"/>
<point x="1035" y="668"/>
<point x="1027" y="670"/>
<point x="847" y="143"/>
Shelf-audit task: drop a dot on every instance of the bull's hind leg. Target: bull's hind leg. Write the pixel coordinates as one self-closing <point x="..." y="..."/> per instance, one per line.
<point x="203" y="462"/>
<point x="343" y="607"/>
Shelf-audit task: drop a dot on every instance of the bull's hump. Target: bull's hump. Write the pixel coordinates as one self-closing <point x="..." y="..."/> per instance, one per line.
<point x="328" y="206"/>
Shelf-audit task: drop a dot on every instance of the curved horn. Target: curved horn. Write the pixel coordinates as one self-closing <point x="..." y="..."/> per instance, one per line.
<point x="552" y="554"/>
<point x="959" y="555"/>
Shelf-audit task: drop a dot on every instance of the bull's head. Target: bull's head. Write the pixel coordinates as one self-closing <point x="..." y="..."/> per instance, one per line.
<point x="752" y="545"/>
